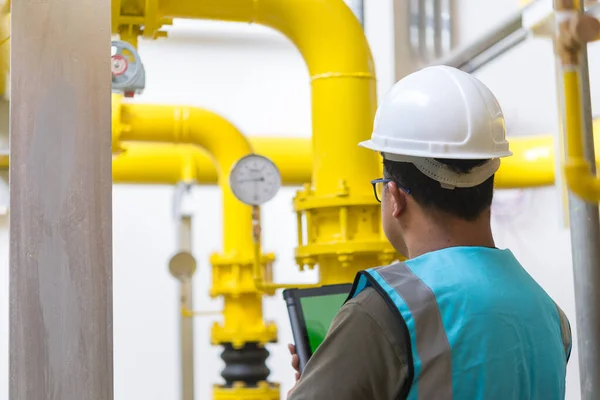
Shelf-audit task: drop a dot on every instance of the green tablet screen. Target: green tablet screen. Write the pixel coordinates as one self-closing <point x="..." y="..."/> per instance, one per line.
<point x="318" y="313"/>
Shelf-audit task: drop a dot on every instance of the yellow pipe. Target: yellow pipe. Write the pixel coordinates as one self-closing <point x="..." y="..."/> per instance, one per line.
<point x="233" y="269"/>
<point x="4" y="47"/>
<point x="532" y="163"/>
<point x="160" y="163"/>
<point x="574" y="30"/>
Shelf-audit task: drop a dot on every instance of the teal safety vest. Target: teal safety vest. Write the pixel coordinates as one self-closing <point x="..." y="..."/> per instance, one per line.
<point x="479" y="326"/>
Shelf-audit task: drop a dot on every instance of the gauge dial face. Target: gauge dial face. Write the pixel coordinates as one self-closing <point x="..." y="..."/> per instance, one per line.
<point x="254" y="180"/>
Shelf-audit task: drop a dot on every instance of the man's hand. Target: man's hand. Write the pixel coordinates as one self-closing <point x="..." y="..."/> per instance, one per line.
<point x="295" y="364"/>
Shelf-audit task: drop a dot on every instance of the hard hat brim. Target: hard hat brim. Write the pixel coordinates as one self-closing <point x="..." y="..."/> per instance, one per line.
<point x="371" y="145"/>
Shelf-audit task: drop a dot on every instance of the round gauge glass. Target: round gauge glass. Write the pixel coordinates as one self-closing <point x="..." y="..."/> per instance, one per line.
<point x="254" y="180"/>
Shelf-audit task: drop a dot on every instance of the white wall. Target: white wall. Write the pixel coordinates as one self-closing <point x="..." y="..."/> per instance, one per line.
<point x="257" y="79"/>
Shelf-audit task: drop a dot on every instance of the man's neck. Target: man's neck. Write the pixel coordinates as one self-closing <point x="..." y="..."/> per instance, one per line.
<point x="445" y="233"/>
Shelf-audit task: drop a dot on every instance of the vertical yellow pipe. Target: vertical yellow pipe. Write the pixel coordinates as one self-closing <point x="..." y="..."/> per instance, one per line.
<point x="232" y="270"/>
<point x="4" y="82"/>
<point x="573" y="122"/>
<point x="4" y="48"/>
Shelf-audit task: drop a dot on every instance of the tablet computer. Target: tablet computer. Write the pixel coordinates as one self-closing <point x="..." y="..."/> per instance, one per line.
<point x="311" y="312"/>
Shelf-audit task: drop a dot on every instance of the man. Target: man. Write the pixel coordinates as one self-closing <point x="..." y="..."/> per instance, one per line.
<point x="460" y="319"/>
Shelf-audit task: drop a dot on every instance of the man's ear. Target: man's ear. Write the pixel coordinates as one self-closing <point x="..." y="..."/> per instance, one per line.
<point x="398" y="198"/>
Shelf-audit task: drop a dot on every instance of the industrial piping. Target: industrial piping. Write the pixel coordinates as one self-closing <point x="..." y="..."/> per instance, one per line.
<point x="154" y="163"/>
<point x="532" y="163"/>
<point x="544" y="178"/>
<point x="342" y="76"/>
<point x="243" y="333"/>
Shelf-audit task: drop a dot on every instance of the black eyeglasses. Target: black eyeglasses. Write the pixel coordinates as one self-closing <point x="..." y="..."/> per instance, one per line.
<point x="379" y="185"/>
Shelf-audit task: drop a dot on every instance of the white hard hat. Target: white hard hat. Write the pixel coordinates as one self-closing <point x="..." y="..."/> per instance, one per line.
<point x="441" y="112"/>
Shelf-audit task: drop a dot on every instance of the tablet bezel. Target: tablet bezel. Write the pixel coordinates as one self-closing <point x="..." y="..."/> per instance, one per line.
<point x="299" y="330"/>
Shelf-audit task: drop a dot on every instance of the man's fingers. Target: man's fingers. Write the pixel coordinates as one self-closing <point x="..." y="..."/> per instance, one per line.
<point x="295" y="362"/>
<point x="297" y="376"/>
<point x="292" y="349"/>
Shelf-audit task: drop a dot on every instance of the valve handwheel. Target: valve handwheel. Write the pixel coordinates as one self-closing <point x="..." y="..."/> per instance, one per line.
<point x="126" y="67"/>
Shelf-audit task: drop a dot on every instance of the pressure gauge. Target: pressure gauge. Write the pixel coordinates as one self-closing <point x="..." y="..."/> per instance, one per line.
<point x="254" y="180"/>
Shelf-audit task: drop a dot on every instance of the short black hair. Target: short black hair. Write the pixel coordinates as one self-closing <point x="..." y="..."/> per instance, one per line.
<point x="464" y="203"/>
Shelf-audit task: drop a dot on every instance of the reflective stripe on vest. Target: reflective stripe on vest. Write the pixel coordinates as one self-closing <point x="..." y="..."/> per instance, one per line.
<point x="433" y="352"/>
<point x="431" y="347"/>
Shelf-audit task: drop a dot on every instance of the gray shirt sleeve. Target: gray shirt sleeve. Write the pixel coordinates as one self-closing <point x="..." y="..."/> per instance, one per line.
<point x="362" y="357"/>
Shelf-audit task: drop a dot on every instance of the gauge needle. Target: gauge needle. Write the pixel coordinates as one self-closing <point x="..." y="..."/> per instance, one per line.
<point x="256" y="187"/>
<point x="251" y="180"/>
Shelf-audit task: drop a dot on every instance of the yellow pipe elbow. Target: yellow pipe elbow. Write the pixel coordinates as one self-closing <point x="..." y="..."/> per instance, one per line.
<point x="582" y="182"/>
<point x="221" y="140"/>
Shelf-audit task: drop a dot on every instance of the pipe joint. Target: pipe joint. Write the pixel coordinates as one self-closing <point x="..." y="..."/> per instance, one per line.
<point x="182" y="129"/>
<point x="234" y="276"/>
<point x="246" y="365"/>
<point x="142" y="15"/>
<point x="239" y="334"/>
<point x="340" y="230"/>
<point x="352" y="75"/>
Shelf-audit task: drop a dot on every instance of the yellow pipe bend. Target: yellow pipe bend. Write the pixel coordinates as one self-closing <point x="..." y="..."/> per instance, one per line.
<point x="221" y="140"/>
